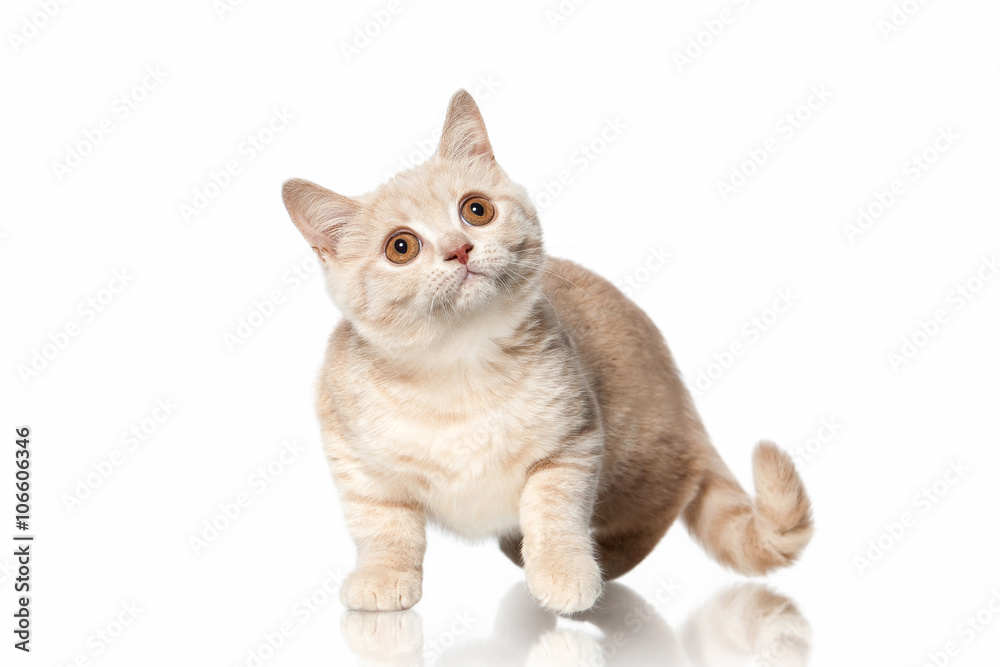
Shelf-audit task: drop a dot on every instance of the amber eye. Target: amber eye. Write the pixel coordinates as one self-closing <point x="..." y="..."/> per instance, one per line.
<point x="478" y="210"/>
<point x="402" y="247"/>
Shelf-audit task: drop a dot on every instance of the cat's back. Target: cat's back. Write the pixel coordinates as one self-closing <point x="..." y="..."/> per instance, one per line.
<point x="600" y="318"/>
<point x="620" y="345"/>
<point x="647" y="412"/>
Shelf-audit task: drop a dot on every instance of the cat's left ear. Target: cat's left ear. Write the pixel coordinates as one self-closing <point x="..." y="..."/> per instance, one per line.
<point x="320" y="214"/>
<point x="464" y="136"/>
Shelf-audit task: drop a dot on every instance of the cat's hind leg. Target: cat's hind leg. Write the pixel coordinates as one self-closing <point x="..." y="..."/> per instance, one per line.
<point x="510" y="544"/>
<point x="621" y="550"/>
<point x="617" y="552"/>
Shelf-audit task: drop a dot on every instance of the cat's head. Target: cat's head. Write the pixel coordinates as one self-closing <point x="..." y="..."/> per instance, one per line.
<point x="452" y="242"/>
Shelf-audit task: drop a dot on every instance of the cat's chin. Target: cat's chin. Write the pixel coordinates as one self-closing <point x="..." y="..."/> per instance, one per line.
<point x="473" y="293"/>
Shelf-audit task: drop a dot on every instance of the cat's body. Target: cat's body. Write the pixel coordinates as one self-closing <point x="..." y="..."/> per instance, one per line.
<point x="496" y="391"/>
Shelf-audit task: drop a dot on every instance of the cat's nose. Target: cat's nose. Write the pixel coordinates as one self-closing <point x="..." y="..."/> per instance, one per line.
<point x="461" y="253"/>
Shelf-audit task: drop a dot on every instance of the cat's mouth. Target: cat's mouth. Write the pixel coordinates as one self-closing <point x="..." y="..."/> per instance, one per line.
<point x="468" y="286"/>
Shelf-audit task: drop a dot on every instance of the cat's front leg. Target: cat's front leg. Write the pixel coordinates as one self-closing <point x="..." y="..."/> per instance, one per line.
<point x="555" y="512"/>
<point x="390" y="538"/>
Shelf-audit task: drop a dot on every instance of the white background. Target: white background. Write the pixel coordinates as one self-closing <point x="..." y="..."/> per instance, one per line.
<point x="191" y="281"/>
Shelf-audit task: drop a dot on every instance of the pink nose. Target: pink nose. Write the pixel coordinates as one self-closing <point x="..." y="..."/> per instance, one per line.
<point x="460" y="253"/>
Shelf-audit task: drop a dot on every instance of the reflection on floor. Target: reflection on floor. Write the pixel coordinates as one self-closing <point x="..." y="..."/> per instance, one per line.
<point x="740" y="625"/>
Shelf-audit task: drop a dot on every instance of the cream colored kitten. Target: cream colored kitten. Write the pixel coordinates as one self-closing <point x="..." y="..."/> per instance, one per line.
<point x="477" y="383"/>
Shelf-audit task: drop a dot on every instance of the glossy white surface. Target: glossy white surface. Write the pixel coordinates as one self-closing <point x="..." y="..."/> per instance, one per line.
<point x="206" y="329"/>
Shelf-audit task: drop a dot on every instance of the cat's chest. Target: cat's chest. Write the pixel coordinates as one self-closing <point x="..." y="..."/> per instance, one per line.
<point x="465" y="458"/>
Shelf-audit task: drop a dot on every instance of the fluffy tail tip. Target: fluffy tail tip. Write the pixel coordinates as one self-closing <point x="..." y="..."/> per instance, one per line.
<point x="782" y="506"/>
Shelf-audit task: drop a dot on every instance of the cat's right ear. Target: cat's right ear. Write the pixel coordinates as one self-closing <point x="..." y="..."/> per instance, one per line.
<point x="319" y="214"/>
<point x="464" y="136"/>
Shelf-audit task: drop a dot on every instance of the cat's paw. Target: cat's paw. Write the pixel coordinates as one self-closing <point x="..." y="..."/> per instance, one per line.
<point x="566" y="585"/>
<point x="373" y="588"/>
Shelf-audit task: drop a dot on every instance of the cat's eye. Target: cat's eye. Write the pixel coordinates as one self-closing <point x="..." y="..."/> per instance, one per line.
<point x="402" y="247"/>
<point x="477" y="210"/>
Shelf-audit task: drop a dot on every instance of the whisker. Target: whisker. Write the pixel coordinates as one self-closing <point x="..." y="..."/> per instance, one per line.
<point x="451" y="327"/>
<point x="459" y="316"/>
<point x="427" y="338"/>
<point x="542" y="292"/>
<point x="501" y="279"/>
<point x="553" y="273"/>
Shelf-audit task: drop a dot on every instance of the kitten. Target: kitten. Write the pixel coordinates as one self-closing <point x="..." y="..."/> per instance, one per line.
<point x="480" y="384"/>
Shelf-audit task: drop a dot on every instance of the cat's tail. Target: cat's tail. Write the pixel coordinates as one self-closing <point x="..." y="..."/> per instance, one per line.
<point x="752" y="535"/>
